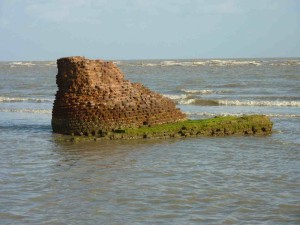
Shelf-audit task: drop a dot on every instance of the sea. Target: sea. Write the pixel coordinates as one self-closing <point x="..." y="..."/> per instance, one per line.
<point x="202" y="180"/>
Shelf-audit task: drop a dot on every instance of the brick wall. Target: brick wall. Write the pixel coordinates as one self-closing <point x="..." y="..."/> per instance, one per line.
<point x="93" y="97"/>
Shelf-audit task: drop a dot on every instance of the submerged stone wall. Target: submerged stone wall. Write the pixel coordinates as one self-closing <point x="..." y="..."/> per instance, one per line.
<point x="93" y="98"/>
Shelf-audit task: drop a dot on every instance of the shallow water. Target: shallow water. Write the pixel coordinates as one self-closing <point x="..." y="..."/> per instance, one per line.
<point x="232" y="180"/>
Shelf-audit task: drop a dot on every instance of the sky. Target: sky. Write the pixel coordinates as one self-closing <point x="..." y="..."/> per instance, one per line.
<point x="148" y="29"/>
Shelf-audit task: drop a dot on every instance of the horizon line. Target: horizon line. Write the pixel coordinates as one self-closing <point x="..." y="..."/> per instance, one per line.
<point x="148" y="59"/>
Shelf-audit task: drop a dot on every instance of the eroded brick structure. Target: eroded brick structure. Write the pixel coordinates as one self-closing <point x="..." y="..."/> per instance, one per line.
<point x="93" y="97"/>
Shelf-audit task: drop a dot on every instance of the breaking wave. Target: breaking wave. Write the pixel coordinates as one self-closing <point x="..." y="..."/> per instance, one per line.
<point x="176" y="97"/>
<point x="200" y="102"/>
<point x="233" y="63"/>
<point x="50" y="64"/>
<point x="211" y="62"/>
<point x="185" y="99"/>
<point x="207" y="102"/>
<point x="36" y="100"/>
<point x="204" y="63"/>
<point x="208" y="114"/>
<point x="286" y="63"/>
<point x="259" y="103"/>
<point x="205" y="91"/>
<point x="189" y="95"/>
<point x="184" y="63"/>
<point x="38" y="111"/>
<point x="28" y="64"/>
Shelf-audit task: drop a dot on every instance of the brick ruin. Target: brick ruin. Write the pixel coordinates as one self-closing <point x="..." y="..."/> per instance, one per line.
<point x="93" y="97"/>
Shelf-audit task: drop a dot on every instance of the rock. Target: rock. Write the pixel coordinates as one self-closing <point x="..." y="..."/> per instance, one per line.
<point x="93" y="98"/>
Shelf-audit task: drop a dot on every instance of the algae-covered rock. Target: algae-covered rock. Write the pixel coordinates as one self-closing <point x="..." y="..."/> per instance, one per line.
<point x="219" y="126"/>
<point x="96" y="102"/>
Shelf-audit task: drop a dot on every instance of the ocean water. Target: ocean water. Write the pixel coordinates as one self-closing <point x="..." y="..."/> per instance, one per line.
<point x="231" y="180"/>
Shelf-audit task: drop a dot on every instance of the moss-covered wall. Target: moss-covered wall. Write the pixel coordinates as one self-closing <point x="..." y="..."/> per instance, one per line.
<point x="218" y="126"/>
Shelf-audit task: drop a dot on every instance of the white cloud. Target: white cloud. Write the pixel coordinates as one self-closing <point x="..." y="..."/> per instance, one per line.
<point x="229" y="6"/>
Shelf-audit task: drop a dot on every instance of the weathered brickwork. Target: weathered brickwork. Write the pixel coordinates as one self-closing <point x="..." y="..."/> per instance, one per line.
<point x="93" y="97"/>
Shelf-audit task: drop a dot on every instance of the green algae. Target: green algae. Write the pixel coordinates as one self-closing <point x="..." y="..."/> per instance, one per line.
<point x="217" y="126"/>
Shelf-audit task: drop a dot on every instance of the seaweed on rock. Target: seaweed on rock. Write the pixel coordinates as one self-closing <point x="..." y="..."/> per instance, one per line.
<point x="219" y="126"/>
<point x="94" y="100"/>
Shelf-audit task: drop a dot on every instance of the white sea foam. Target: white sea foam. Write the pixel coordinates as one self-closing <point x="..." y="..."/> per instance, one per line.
<point x="37" y="100"/>
<point x="217" y="62"/>
<point x="118" y="63"/>
<point x="187" y="99"/>
<point x="245" y="63"/>
<point x="50" y="64"/>
<point x="204" y="92"/>
<point x="258" y="103"/>
<point x="208" y="114"/>
<point x="285" y="63"/>
<point x="149" y="64"/>
<point x="22" y="64"/>
<point x="213" y="62"/>
<point x="293" y="62"/>
<point x="171" y="63"/>
<point x="203" y="62"/>
<point x="200" y="63"/>
<point x="176" y="97"/>
<point x="193" y="101"/>
<point x="38" y="111"/>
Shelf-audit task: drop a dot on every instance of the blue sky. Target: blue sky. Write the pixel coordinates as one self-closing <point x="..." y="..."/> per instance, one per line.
<point x="149" y="29"/>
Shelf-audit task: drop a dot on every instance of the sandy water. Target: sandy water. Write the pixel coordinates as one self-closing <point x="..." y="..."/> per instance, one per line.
<point x="232" y="180"/>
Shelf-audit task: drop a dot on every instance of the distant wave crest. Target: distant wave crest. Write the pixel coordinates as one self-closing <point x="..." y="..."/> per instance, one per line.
<point x="208" y="114"/>
<point x="203" y="63"/>
<point x="176" y="97"/>
<point x="22" y="64"/>
<point x="36" y="100"/>
<point x="38" y="111"/>
<point x="259" y="103"/>
<point x="210" y="62"/>
<point x="32" y="64"/>
<point x="190" y="100"/>
<point x="286" y="63"/>
<point x="183" y="63"/>
<point x="205" y="91"/>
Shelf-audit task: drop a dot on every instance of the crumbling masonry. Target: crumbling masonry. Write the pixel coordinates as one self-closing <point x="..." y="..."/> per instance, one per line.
<point x="93" y="97"/>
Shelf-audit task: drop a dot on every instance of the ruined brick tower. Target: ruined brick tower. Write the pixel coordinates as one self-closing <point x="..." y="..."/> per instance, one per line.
<point x="93" y="97"/>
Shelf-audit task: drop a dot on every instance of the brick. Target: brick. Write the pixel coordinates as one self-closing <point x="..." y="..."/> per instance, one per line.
<point x="94" y="94"/>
